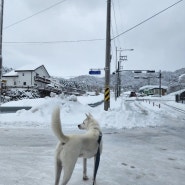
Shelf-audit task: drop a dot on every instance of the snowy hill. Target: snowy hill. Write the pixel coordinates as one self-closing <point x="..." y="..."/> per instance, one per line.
<point x="170" y="79"/>
<point x="173" y="80"/>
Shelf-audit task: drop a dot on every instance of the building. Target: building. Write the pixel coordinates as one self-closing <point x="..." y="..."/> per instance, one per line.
<point x="180" y="96"/>
<point x="153" y="90"/>
<point x="27" y="76"/>
<point x="36" y="77"/>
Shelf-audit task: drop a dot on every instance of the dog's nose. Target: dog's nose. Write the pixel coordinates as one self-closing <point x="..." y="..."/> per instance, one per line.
<point x="78" y="126"/>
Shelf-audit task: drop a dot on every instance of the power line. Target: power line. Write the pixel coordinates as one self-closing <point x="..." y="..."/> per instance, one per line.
<point x="55" y="42"/>
<point x="116" y="25"/>
<point x="29" y="17"/>
<point x="86" y="40"/>
<point x="146" y="20"/>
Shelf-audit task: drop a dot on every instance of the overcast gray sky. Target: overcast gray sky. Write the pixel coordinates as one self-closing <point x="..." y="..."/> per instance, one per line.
<point x="158" y="44"/>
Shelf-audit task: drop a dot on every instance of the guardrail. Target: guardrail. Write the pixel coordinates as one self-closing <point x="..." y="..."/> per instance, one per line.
<point x="12" y="109"/>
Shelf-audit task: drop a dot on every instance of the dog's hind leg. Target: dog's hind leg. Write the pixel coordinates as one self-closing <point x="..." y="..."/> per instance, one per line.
<point x="58" y="169"/>
<point x="68" y="166"/>
<point x="85" y="169"/>
<point x="94" y="179"/>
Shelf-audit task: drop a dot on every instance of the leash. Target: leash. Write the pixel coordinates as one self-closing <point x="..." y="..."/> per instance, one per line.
<point x="97" y="161"/>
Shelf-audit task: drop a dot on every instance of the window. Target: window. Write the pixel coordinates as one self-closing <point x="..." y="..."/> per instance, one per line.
<point x="22" y="74"/>
<point x="24" y="83"/>
<point x="14" y="83"/>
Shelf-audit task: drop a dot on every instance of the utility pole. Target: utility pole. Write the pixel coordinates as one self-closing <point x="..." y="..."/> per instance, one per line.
<point x="107" y="58"/>
<point x="1" y="40"/>
<point x="119" y="69"/>
<point x="160" y="76"/>
<point x="116" y="77"/>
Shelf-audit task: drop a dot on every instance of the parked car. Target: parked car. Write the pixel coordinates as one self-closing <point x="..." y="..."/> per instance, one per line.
<point x="132" y="94"/>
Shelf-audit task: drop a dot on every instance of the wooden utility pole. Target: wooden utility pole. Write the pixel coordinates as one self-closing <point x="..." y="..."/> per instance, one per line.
<point x="107" y="58"/>
<point x="1" y="40"/>
<point x="160" y="76"/>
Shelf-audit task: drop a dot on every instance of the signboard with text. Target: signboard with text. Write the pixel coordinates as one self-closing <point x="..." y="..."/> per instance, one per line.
<point x="93" y="72"/>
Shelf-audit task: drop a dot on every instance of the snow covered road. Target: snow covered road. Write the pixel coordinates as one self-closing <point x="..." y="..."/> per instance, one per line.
<point x="154" y="156"/>
<point x="143" y="144"/>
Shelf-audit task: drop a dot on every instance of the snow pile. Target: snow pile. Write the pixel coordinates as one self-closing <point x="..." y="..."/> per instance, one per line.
<point x="124" y="113"/>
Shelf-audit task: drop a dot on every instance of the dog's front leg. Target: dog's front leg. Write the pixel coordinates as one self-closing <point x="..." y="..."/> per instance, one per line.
<point x="85" y="169"/>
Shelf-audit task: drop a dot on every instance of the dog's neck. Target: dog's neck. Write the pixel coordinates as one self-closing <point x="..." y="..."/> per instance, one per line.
<point x="97" y="128"/>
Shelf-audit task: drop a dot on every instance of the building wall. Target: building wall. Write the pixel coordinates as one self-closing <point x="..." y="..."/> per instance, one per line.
<point x="27" y="78"/>
<point x="42" y="72"/>
<point x="24" y="78"/>
<point x="10" y="81"/>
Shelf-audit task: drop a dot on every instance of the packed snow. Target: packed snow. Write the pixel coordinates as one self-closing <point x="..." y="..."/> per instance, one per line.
<point x="143" y="140"/>
<point x="123" y="113"/>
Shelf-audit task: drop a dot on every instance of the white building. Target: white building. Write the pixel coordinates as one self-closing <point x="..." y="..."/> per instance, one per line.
<point x="153" y="90"/>
<point x="27" y="76"/>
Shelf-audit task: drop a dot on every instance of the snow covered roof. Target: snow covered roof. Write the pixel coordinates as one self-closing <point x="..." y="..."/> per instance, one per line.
<point x="30" y="67"/>
<point x="178" y="92"/>
<point x="152" y="87"/>
<point x="182" y="76"/>
<point x="11" y="73"/>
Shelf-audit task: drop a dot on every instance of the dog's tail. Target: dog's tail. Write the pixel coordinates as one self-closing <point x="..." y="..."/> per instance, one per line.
<point x="56" y="126"/>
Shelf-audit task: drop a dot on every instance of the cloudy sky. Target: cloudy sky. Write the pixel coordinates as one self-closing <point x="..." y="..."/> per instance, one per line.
<point x="44" y="37"/>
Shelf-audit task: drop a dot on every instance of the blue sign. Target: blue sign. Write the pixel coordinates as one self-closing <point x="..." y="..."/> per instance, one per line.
<point x="95" y="72"/>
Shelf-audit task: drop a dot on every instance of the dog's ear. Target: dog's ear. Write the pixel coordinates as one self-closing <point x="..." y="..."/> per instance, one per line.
<point x="87" y="115"/>
<point x="90" y="115"/>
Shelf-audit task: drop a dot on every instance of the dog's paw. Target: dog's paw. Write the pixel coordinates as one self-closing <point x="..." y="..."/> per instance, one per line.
<point x="85" y="178"/>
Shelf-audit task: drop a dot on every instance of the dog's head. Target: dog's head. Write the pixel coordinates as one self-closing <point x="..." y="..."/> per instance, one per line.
<point x="88" y="123"/>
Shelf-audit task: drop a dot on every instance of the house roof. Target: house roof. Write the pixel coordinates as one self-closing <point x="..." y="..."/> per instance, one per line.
<point x="148" y="87"/>
<point x="178" y="92"/>
<point x="32" y="67"/>
<point x="10" y="74"/>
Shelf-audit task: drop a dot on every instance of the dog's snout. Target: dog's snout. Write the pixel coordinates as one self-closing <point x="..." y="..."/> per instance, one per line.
<point x="78" y="126"/>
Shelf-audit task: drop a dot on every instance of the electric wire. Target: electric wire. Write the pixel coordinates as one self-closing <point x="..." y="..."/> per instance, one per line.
<point x="116" y="25"/>
<point x="39" y="12"/>
<point x="120" y="12"/>
<point x="55" y="42"/>
<point x="96" y="39"/>
<point x="146" y="20"/>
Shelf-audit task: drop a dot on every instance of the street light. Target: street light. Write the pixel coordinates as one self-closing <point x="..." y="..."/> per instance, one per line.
<point x="125" y="49"/>
<point x="118" y="66"/>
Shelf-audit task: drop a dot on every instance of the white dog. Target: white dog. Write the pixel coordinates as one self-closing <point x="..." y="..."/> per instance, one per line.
<point x="70" y="147"/>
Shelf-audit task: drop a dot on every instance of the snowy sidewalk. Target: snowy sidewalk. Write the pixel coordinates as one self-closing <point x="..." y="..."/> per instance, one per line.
<point x="147" y="156"/>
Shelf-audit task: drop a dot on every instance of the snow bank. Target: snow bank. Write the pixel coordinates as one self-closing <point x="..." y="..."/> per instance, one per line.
<point x="124" y="113"/>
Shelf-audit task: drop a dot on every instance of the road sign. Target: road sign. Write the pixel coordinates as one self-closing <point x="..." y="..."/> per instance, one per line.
<point x="97" y="72"/>
<point x="138" y="71"/>
<point x="150" y="71"/>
